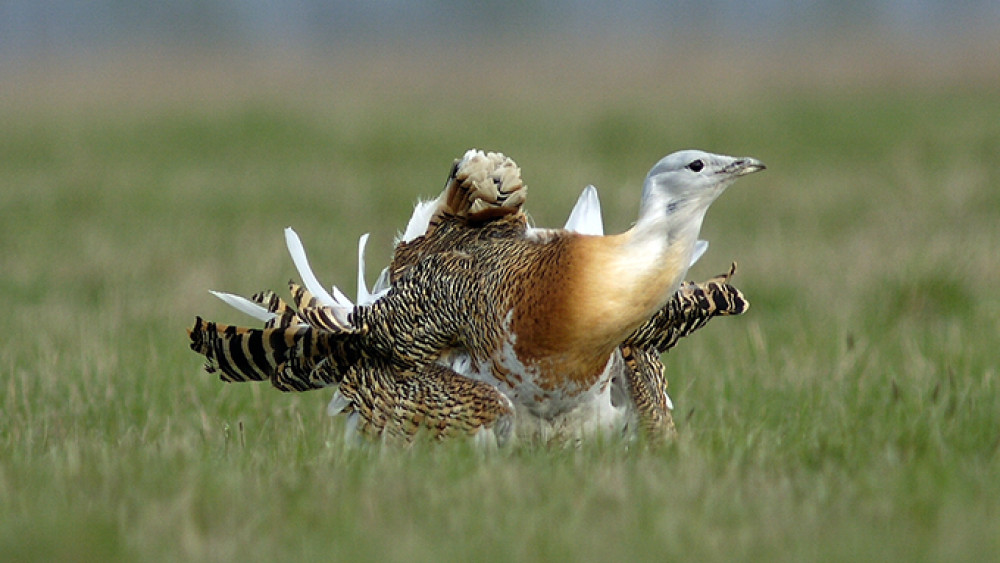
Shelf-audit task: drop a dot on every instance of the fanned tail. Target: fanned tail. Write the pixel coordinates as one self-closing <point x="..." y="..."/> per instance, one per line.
<point x="481" y="187"/>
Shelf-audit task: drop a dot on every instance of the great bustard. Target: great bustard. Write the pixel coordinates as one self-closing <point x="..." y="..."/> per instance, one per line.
<point x="483" y="324"/>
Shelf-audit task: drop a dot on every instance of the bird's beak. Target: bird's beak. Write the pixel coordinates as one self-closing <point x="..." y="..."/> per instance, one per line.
<point x="744" y="166"/>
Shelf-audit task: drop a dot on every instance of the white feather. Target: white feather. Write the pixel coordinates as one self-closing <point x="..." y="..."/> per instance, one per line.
<point x="363" y="295"/>
<point x="420" y="220"/>
<point x="337" y="404"/>
<point x="381" y="286"/>
<point x="351" y="436"/>
<point x="244" y="305"/>
<point x="340" y="297"/>
<point x="585" y="218"/>
<point x="382" y="283"/>
<point x="700" y="247"/>
<point x="298" y="253"/>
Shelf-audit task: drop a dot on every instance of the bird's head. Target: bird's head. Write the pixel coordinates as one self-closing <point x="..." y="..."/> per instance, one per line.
<point x="692" y="179"/>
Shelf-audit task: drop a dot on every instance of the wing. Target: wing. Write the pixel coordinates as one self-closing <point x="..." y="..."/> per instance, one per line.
<point x="690" y="308"/>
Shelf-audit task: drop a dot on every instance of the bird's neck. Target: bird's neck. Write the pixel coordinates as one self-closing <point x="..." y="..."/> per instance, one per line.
<point x="663" y="239"/>
<point x="599" y="289"/>
<point x="631" y="275"/>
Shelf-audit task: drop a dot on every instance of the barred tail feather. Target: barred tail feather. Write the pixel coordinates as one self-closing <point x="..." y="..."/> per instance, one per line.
<point x="313" y="312"/>
<point x="483" y="186"/>
<point x="296" y="358"/>
<point x="284" y="316"/>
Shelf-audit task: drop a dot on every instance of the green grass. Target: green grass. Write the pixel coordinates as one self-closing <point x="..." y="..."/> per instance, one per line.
<point x="853" y="413"/>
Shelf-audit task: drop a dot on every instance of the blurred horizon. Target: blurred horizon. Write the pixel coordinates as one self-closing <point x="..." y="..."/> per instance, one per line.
<point x="59" y="52"/>
<point x="55" y="53"/>
<point x="52" y="28"/>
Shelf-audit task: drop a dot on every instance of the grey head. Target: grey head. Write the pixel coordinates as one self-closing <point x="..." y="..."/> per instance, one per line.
<point x="692" y="179"/>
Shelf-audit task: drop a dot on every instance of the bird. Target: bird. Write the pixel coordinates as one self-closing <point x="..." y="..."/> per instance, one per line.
<point x="557" y="330"/>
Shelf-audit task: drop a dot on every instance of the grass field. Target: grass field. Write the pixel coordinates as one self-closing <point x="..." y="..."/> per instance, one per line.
<point x="852" y="414"/>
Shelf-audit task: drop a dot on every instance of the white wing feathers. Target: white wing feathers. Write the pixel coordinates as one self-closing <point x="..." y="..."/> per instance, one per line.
<point x="298" y="253"/>
<point x="381" y="286"/>
<point x="699" y="249"/>
<point x="585" y="218"/>
<point x="419" y="221"/>
<point x="363" y="295"/>
<point x="244" y="305"/>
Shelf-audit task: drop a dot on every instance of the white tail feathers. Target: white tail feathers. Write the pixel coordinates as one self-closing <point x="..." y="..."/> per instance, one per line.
<point x="381" y="286"/>
<point x="337" y="301"/>
<point x="481" y="185"/>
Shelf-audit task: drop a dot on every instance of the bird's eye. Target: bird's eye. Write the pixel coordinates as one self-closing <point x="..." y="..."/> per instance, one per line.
<point x="695" y="166"/>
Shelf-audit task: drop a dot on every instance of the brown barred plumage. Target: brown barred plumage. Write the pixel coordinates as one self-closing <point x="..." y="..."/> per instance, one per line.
<point x="478" y="284"/>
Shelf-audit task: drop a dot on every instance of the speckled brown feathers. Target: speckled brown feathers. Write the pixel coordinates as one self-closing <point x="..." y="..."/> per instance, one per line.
<point x="295" y="356"/>
<point x="474" y="284"/>
<point x="439" y="403"/>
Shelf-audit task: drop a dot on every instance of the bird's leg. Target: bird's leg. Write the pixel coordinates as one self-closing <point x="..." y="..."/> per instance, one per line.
<point x="648" y="388"/>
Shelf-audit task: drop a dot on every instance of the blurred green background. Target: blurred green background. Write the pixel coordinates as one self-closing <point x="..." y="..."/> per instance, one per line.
<point x="853" y="413"/>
